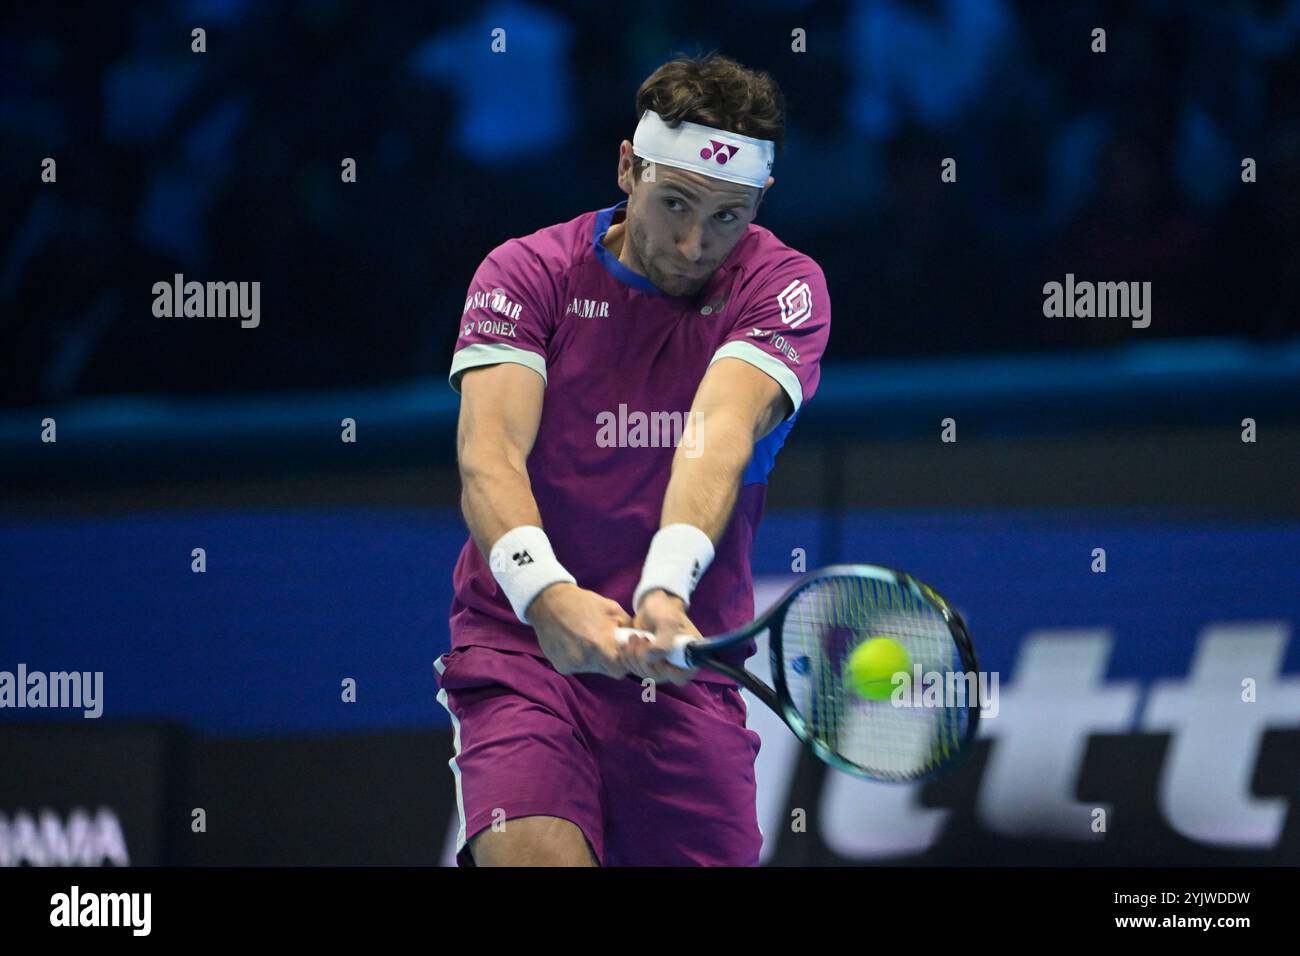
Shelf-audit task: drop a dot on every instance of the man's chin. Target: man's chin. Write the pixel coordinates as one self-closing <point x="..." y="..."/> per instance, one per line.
<point x="675" y="286"/>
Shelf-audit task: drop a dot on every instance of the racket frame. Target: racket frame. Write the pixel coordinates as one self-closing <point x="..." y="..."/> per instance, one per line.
<point x="777" y="697"/>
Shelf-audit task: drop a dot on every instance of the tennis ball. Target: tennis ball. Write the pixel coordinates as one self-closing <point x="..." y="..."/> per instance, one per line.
<point x="872" y="666"/>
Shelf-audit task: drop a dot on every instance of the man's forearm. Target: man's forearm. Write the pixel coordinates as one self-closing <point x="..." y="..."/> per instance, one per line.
<point x="703" y="488"/>
<point x="495" y="497"/>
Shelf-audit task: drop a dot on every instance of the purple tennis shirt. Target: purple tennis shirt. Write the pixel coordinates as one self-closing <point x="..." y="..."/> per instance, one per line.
<point x="621" y="362"/>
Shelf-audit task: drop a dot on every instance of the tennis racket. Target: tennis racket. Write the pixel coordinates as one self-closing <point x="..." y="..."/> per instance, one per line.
<point x="813" y="629"/>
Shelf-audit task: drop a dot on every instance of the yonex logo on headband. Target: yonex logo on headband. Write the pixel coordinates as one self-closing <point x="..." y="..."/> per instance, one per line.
<point x="718" y="153"/>
<point x="715" y="149"/>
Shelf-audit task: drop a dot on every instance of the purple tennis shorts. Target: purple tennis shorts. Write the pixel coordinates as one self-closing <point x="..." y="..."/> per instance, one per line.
<point x="662" y="783"/>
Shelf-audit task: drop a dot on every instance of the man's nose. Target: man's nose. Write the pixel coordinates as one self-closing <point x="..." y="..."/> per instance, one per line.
<point x="691" y="246"/>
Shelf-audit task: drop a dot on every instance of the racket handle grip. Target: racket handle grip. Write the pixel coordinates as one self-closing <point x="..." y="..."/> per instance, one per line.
<point x="676" y="657"/>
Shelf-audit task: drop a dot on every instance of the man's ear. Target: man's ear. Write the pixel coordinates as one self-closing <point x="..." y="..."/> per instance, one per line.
<point x="626" y="180"/>
<point x="763" y="192"/>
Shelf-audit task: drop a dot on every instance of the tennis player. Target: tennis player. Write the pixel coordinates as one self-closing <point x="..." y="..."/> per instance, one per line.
<point x="626" y="379"/>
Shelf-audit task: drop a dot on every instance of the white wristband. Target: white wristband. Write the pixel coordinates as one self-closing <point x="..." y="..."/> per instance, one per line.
<point x="678" y="557"/>
<point x="524" y="565"/>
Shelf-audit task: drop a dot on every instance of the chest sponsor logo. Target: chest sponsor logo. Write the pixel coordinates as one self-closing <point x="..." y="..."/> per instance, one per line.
<point x="588" y="308"/>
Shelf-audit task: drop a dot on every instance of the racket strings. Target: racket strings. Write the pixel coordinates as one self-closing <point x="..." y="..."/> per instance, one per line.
<point x="899" y="738"/>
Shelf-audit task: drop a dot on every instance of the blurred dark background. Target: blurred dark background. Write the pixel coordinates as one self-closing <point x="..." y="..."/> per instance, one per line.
<point x="225" y="166"/>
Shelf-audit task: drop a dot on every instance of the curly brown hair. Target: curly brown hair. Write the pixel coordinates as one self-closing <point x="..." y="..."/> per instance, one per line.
<point x="714" y="90"/>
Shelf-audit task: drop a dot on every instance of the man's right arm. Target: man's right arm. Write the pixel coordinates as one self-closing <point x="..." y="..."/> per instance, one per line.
<point x="500" y="410"/>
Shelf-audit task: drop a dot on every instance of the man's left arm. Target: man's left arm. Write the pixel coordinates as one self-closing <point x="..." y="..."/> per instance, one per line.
<point x="766" y="367"/>
<point x="735" y="406"/>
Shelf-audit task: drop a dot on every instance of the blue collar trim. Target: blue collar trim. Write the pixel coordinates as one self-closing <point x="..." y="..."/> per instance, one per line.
<point x="617" y="269"/>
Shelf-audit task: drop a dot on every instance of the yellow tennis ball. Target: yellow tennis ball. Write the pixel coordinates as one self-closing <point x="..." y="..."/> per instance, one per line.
<point x="873" y="664"/>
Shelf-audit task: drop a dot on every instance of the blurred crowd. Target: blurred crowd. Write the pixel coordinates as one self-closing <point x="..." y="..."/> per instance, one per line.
<point x="225" y="166"/>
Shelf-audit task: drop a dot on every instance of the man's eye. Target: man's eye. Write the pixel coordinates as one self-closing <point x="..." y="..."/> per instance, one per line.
<point x="730" y="216"/>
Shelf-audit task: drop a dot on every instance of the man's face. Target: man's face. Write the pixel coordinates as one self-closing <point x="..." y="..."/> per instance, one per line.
<point x="682" y="225"/>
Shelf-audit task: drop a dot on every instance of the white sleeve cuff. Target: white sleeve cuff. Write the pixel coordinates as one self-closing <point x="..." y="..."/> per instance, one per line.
<point x="493" y="353"/>
<point x="765" y="362"/>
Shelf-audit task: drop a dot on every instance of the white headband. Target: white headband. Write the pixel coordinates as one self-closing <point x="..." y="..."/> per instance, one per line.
<point x="703" y="149"/>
